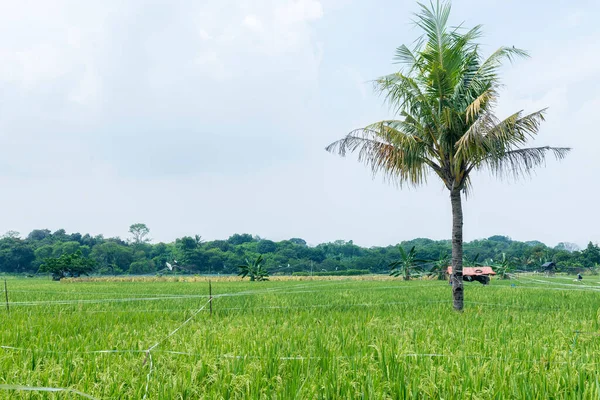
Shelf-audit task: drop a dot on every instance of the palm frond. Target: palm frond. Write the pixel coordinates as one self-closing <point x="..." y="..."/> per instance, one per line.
<point x="408" y="58"/>
<point x="401" y="157"/>
<point x="473" y="109"/>
<point x="481" y="76"/>
<point x="521" y="162"/>
<point x="404" y="93"/>
<point x="489" y="68"/>
<point x="490" y="137"/>
<point x="487" y="71"/>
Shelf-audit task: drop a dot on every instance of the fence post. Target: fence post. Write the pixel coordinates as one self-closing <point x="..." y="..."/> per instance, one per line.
<point x="6" y="293"/>
<point x="210" y="297"/>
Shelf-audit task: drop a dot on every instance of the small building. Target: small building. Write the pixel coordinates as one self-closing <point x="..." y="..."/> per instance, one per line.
<point x="549" y="268"/>
<point x="479" y="274"/>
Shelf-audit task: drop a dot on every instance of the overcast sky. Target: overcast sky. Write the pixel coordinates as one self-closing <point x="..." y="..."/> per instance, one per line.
<point x="211" y="117"/>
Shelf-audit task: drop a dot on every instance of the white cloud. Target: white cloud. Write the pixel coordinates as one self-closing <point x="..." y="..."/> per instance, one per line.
<point x="299" y="11"/>
<point x="357" y="79"/>
<point x="29" y="66"/>
<point x="253" y="23"/>
<point x="116" y="106"/>
<point x="204" y="35"/>
<point x="279" y="28"/>
<point x="88" y="88"/>
<point x="40" y="42"/>
<point x="575" y="18"/>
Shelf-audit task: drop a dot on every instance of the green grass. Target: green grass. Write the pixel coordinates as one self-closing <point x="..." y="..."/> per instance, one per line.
<point x="303" y="339"/>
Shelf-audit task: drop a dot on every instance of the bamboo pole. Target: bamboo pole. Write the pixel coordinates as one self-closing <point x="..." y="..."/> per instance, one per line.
<point x="210" y="296"/>
<point x="6" y="294"/>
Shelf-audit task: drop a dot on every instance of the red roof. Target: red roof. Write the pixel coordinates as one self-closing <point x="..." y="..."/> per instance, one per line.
<point x="474" y="271"/>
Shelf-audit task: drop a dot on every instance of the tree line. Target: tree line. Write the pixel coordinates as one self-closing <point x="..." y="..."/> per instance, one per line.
<point x="136" y="254"/>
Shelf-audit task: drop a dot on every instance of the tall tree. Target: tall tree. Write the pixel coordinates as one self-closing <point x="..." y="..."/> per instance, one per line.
<point x="139" y="233"/>
<point x="444" y="98"/>
<point x="11" y="235"/>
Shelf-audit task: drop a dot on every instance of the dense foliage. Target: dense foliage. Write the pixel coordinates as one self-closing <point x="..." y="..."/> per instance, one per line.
<point x="68" y="265"/>
<point x="114" y="256"/>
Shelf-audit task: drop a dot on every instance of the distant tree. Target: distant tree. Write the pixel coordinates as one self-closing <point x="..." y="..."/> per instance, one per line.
<point x="254" y="270"/>
<point x="237" y="239"/>
<point x="591" y="255"/>
<point x="562" y="257"/>
<point x="499" y="238"/>
<point x="266" y="246"/>
<point x="75" y="237"/>
<point x="61" y="248"/>
<point x="566" y="246"/>
<point x="16" y="255"/>
<point x="67" y="265"/>
<point x="91" y="241"/>
<point x="38" y="235"/>
<point x="215" y="260"/>
<point x="222" y="245"/>
<point x="535" y="243"/>
<point x="298" y="241"/>
<point x="312" y="253"/>
<point x="11" y="235"/>
<point x="189" y="254"/>
<point x="117" y="240"/>
<point x="370" y="262"/>
<point x="186" y="243"/>
<point x="139" y="233"/>
<point x="44" y="252"/>
<point x="60" y="235"/>
<point x="112" y="258"/>
<point x="161" y="253"/>
<point x="142" y="267"/>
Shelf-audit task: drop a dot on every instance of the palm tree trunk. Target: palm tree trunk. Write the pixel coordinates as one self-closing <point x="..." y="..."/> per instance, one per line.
<point x="457" y="250"/>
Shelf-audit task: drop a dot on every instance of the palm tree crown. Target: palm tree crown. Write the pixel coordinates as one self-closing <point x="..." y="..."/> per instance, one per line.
<point x="445" y="96"/>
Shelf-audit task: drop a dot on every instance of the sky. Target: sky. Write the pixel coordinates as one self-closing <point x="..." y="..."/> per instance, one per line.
<point x="211" y="117"/>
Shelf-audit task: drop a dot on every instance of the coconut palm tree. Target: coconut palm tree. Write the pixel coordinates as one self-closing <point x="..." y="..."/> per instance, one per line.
<point x="445" y="125"/>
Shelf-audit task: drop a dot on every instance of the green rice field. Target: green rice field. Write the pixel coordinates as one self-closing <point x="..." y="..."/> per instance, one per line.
<point x="365" y="338"/>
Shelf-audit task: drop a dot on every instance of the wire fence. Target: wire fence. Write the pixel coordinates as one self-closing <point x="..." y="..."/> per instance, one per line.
<point x="46" y="389"/>
<point x="148" y="352"/>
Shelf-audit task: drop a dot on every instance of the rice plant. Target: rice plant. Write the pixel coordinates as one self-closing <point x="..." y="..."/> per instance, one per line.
<point x="369" y="337"/>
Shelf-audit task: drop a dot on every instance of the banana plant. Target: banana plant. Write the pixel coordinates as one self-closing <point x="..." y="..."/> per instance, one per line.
<point x="407" y="264"/>
<point x="439" y="266"/>
<point x="254" y="270"/>
<point x="524" y="262"/>
<point x="474" y="262"/>
<point x="505" y="267"/>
